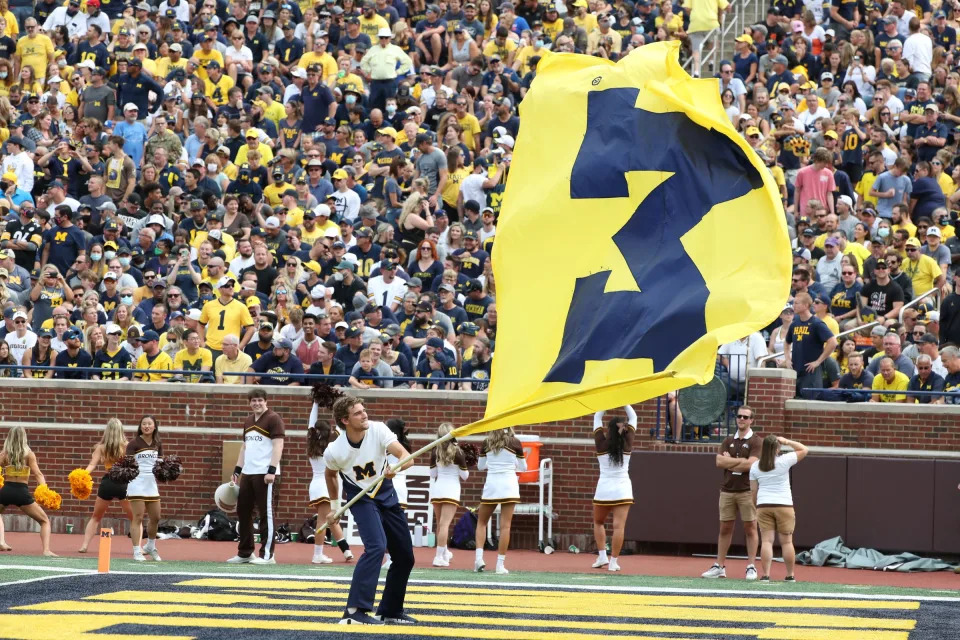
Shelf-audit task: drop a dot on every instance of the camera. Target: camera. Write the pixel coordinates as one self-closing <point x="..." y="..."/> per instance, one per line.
<point x="4" y="186"/>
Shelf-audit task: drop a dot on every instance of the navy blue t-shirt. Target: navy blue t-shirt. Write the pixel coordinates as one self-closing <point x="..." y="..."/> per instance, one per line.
<point x="807" y="338"/>
<point x="65" y="245"/>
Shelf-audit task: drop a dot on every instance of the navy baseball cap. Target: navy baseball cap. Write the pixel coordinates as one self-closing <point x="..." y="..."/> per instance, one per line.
<point x="149" y="335"/>
<point x="435" y="342"/>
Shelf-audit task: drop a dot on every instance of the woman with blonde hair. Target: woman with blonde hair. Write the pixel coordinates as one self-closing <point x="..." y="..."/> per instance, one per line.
<point x="283" y="300"/>
<point x="7" y="78"/>
<point x="93" y="339"/>
<point x="770" y="484"/>
<point x="415" y="218"/>
<point x="112" y="447"/>
<point x="18" y="461"/>
<point x="292" y="273"/>
<point x="448" y="468"/>
<point x="502" y="457"/>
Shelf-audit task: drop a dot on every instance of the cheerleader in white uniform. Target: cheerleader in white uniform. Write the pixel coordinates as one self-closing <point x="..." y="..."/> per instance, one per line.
<point x="502" y="457"/>
<point x="142" y="492"/>
<point x="399" y="428"/>
<point x="448" y="467"/>
<point x="614" y="489"/>
<point x="319" y="435"/>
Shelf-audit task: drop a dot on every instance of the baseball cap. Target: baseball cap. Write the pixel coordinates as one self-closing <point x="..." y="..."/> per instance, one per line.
<point x="801" y="253"/>
<point x="468" y="328"/>
<point x="75" y="334"/>
<point x="934" y="231"/>
<point x="282" y="343"/>
<point x="352" y="332"/>
<point x="225" y="281"/>
<point x="148" y="336"/>
<point x="424" y="306"/>
<point x="435" y="342"/>
<point x="387" y="265"/>
<point x="913" y="242"/>
<point x="830" y="242"/>
<point x="414" y="282"/>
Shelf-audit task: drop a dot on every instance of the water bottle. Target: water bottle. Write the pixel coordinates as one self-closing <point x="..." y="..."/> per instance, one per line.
<point x="418" y="535"/>
<point x="573" y="549"/>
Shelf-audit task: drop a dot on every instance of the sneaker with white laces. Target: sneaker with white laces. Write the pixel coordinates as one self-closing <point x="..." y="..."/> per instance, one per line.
<point x="440" y="562"/>
<point x="614" y="566"/>
<point x="716" y="571"/>
<point x="347" y="555"/>
<point x="138" y="555"/>
<point x="479" y="566"/>
<point x="448" y="555"/>
<point x="153" y="553"/>
<point x="359" y="617"/>
<point x="397" y="619"/>
<point x="502" y="570"/>
<point x="240" y="560"/>
<point x="319" y="558"/>
<point x="600" y="563"/>
<point x="751" y="572"/>
<point x="259" y="560"/>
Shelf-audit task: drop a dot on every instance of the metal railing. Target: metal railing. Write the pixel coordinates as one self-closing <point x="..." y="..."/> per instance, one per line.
<point x="720" y="40"/>
<point x="916" y="301"/>
<point x="714" y="431"/>
<point x="123" y="374"/>
<point x="953" y="397"/>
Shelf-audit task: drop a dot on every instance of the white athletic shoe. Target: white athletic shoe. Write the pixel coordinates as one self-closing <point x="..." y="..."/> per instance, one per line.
<point x="138" y="555"/>
<point x="751" y="572"/>
<point x="153" y="553"/>
<point x="613" y="566"/>
<point x="347" y="555"/>
<point x="600" y="563"/>
<point x="502" y="570"/>
<point x="448" y="555"/>
<point x="478" y="566"/>
<point x="319" y="558"/>
<point x="259" y="560"/>
<point x="716" y="571"/>
<point x="240" y="560"/>
<point x="440" y="562"/>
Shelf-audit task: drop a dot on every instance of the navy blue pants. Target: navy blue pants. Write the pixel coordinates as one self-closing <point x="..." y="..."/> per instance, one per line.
<point x="380" y="90"/>
<point x="382" y="525"/>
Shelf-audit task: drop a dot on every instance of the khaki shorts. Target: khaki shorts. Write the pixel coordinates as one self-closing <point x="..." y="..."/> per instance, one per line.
<point x="730" y="503"/>
<point x="783" y="520"/>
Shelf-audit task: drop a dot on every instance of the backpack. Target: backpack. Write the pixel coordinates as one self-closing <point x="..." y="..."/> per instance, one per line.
<point x="282" y="534"/>
<point x="464" y="532"/>
<point x="217" y="526"/>
<point x="308" y="530"/>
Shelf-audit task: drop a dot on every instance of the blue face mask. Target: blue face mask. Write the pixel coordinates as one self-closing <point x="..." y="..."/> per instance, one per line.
<point x="883" y="232"/>
<point x="96" y="256"/>
<point x="126" y="299"/>
<point x="125" y="262"/>
<point x="350" y="100"/>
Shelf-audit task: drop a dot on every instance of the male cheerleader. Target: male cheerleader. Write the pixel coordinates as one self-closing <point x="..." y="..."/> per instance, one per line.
<point x="359" y="455"/>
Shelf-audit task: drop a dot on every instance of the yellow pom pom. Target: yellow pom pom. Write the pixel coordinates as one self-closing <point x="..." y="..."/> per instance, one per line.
<point x="1" y="479"/>
<point x="47" y="497"/>
<point x="81" y="483"/>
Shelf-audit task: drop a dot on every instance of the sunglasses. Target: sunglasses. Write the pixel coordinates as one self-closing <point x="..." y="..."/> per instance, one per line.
<point x="849" y="273"/>
<point x="879" y="268"/>
<point x="19" y="322"/>
<point x="743" y="417"/>
<point x="912" y="249"/>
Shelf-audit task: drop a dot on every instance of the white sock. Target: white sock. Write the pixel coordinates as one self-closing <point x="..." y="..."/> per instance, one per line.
<point x="441" y="552"/>
<point x="603" y="555"/>
<point x="151" y="544"/>
<point x="318" y="549"/>
<point x="500" y="560"/>
<point x="479" y="555"/>
<point x="137" y="548"/>
<point x="613" y="560"/>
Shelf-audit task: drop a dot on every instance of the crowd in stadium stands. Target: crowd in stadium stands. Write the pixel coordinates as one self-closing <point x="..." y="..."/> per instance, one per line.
<point x="287" y="188"/>
<point x="855" y="109"/>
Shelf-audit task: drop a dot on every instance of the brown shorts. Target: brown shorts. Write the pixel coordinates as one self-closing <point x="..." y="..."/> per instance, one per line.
<point x="742" y="501"/>
<point x="780" y="519"/>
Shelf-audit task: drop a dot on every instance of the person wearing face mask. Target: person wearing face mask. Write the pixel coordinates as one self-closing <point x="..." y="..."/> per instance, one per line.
<point x="69" y="16"/>
<point x="244" y="185"/>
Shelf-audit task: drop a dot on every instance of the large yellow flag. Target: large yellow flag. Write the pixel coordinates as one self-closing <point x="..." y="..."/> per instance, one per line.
<point x="639" y="232"/>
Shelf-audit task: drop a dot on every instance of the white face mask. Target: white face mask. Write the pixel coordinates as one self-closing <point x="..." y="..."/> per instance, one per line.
<point x="212" y="167"/>
<point x="110" y="255"/>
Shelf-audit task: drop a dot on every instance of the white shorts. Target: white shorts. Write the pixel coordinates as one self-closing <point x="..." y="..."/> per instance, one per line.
<point x="318" y="491"/>
<point x="501" y="488"/>
<point x="143" y="487"/>
<point x="613" y="490"/>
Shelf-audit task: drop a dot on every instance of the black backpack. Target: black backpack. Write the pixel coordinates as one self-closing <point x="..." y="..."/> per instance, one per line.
<point x="219" y="526"/>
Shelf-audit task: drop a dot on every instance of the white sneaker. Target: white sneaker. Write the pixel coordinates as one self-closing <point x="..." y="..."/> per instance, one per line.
<point x="240" y="560"/>
<point x="440" y="562"/>
<point x="502" y="570"/>
<point x="716" y="571"/>
<point x="614" y="566"/>
<point x="348" y="555"/>
<point x="153" y="553"/>
<point x="319" y="558"/>
<point x="138" y="555"/>
<point x="259" y="560"/>
<point x="479" y="566"/>
<point x="600" y="563"/>
<point x="751" y="572"/>
<point x="448" y="555"/>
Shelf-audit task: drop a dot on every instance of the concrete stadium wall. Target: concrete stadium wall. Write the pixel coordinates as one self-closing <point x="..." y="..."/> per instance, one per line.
<point x="64" y="421"/>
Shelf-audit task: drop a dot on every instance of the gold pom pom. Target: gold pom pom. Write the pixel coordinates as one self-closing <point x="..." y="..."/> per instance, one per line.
<point x="1" y="479"/>
<point x="81" y="483"/>
<point x="47" y="497"/>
